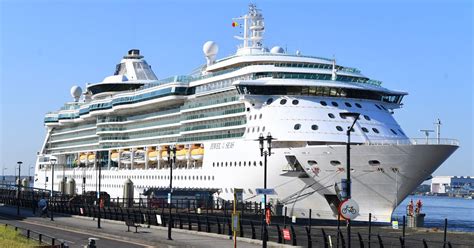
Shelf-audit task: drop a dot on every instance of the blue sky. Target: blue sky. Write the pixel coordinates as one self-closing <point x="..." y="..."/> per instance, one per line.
<point x="421" y="47"/>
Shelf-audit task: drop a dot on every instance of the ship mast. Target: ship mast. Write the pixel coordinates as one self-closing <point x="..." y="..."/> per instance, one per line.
<point x="253" y="30"/>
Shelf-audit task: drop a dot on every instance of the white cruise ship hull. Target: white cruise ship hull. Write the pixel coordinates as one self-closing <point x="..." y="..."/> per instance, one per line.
<point x="377" y="188"/>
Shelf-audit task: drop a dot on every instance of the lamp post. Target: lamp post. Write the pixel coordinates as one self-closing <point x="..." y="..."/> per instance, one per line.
<point x="348" y="152"/>
<point x="99" y="164"/>
<point x="18" y="192"/>
<point x="170" y="151"/>
<point x="264" y="154"/>
<point x="3" y="175"/>
<point x="29" y="173"/>
<point x="52" y="161"/>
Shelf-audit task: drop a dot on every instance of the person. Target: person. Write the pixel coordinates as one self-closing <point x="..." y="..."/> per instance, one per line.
<point x="418" y="207"/>
<point x="43" y="207"/>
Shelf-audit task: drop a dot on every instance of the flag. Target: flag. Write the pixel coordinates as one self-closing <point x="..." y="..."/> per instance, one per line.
<point x="234" y="24"/>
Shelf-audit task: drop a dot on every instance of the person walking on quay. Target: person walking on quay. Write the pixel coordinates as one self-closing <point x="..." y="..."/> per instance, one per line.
<point x="43" y="207"/>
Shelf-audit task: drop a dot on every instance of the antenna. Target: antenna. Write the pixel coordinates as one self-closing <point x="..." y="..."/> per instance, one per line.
<point x="253" y="28"/>
<point x="438" y="130"/>
<point x="427" y="133"/>
<point x="334" y="70"/>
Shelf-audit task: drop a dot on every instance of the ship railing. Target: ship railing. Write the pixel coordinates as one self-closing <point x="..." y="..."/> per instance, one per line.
<point x="414" y="141"/>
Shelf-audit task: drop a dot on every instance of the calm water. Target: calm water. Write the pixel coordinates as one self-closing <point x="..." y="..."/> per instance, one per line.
<point x="458" y="211"/>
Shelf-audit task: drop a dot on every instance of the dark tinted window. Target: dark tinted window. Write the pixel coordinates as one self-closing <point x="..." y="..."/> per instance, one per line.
<point x="358" y="105"/>
<point x="323" y="103"/>
<point x="365" y="130"/>
<point x="295" y="102"/>
<point x="348" y="104"/>
<point x="375" y="130"/>
<point x="297" y="126"/>
<point x="367" y="117"/>
<point x="269" y="101"/>
<point x="314" y="127"/>
<point x="331" y="115"/>
<point x="339" y="128"/>
<point x="393" y="131"/>
<point x="378" y="106"/>
<point x="283" y="101"/>
<point x="334" y="104"/>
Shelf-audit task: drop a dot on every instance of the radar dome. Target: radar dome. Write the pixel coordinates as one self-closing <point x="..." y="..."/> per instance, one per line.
<point x="76" y="92"/>
<point x="210" y="48"/>
<point x="277" y="49"/>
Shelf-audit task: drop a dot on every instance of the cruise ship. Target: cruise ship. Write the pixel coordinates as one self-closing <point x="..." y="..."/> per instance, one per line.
<point x="214" y="115"/>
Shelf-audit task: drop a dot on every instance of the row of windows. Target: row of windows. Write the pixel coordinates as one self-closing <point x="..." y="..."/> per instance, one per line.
<point x="235" y="163"/>
<point x="253" y="129"/>
<point x="315" y="127"/>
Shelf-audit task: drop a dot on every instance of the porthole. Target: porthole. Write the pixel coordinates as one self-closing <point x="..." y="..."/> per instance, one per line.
<point x="335" y="163"/>
<point x="225" y="164"/>
<point x="245" y="163"/>
<point x="240" y="163"/>
<point x="323" y="103"/>
<point x="235" y="163"/>
<point x="375" y="130"/>
<point x="358" y="105"/>
<point x="348" y="104"/>
<point x="269" y="101"/>
<point x="314" y="127"/>
<point x="367" y="117"/>
<point x="297" y="127"/>
<point x="393" y="131"/>
<point x="254" y="163"/>
<point x="378" y="107"/>
<point x="399" y="130"/>
<point x="312" y="162"/>
<point x="263" y="129"/>
<point x="283" y="101"/>
<point x="295" y="102"/>
<point x="213" y="164"/>
<point x="334" y="104"/>
<point x="261" y="164"/>
<point x="260" y="116"/>
<point x="365" y="130"/>
<point x="258" y="129"/>
<point x="331" y="115"/>
<point x="342" y="116"/>
<point x="374" y="162"/>
<point x="255" y="117"/>
<point x="339" y="128"/>
<point x="250" y="117"/>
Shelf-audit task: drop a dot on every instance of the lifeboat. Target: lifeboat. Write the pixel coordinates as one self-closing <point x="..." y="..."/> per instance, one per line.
<point x="91" y="158"/>
<point x="125" y="157"/>
<point x="114" y="156"/>
<point x="153" y="155"/>
<point x="181" y="153"/>
<point x="139" y="156"/>
<point x="83" y="158"/>
<point x="197" y="153"/>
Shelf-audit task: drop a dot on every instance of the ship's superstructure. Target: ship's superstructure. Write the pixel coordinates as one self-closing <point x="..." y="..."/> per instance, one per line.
<point x="126" y="123"/>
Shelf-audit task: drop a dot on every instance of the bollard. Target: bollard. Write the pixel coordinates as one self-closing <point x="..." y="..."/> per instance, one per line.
<point x="343" y="243"/>
<point x="402" y="242"/>
<point x="190" y="224"/>
<point x="219" y="230"/>
<point x="403" y="227"/>
<point x="208" y="225"/>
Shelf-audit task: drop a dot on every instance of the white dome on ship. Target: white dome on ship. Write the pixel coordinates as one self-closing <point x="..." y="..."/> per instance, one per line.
<point x="210" y="48"/>
<point x="277" y="49"/>
<point x="76" y="92"/>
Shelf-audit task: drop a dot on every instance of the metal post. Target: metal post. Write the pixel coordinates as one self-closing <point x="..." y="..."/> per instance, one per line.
<point x="18" y="193"/>
<point x="98" y="194"/>
<point x="170" y="163"/>
<point x="264" y="239"/>
<point x="52" y="189"/>
<point x="348" y="182"/>
<point x="445" y="231"/>
<point x="370" y="227"/>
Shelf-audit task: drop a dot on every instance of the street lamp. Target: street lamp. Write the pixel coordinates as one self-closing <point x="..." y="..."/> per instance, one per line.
<point x="18" y="184"/>
<point x="170" y="151"/>
<point x="99" y="163"/>
<point x="52" y="161"/>
<point x="264" y="154"/>
<point x="29" y="173"/>
<point x="348" y="152"/>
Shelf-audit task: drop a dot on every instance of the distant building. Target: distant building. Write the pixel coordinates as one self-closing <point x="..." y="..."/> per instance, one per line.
<point x="452" y="184"/>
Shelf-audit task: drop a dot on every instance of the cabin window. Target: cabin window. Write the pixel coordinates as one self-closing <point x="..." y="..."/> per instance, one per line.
<point x="335" y="104"/>
<point x="375" y="130"/>
<point x="323" y="103"/>
<point x="339" y="128"/>
<point x="358" y="105"/>
<point x="297" y="127"/>
<point x="348" y="104"/>
<point x="295" y="102"/>
<point x="314" y="127"/>
<point x="367" y="117"/>
<point x="365" y="130"/>
<point x="393" y="131"/>
<point x="269" y="101"/>
<point x="331" y="115"/>
<point x="283" y="101"/>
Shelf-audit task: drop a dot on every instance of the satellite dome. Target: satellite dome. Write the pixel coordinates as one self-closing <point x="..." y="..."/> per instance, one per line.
<point x="210" y="48"/>
<point x="76" y="92"/>
<point x="277" y="49"/>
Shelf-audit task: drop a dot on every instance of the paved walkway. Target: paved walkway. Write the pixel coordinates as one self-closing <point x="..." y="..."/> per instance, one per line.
<point x="76" y="229"/>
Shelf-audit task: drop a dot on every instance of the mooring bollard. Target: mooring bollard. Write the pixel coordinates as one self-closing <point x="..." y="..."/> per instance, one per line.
<point x="445" y="232"/>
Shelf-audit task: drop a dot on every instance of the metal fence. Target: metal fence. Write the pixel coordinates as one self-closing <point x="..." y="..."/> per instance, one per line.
<point x="36" y="236"/>
<point x="215" y="217"/>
